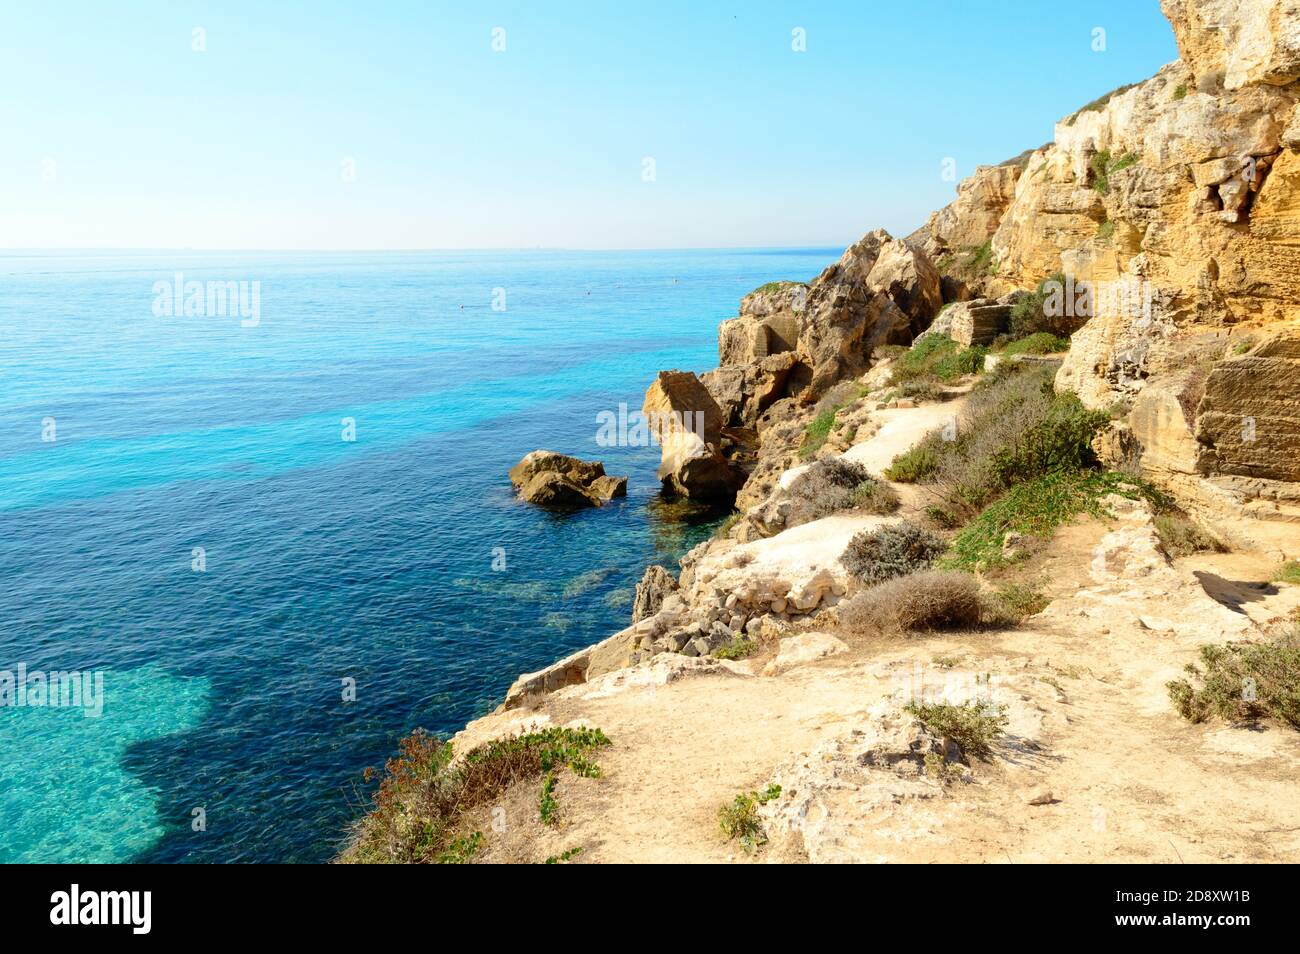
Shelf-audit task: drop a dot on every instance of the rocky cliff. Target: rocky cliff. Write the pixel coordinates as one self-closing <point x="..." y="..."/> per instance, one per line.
<point x="1160" y="231"/>
<point x="1175" y="202"/>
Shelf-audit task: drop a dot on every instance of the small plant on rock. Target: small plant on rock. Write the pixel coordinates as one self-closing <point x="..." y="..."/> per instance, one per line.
<point x="972" y="726"/>
<point x="739" y="819"/>
<point x="738" y="648"/>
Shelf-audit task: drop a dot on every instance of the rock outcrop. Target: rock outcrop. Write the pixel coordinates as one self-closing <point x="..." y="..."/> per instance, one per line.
<point x="1248" y="421"/>
<point x="881" y="291"/>
<point x="549" y="479"/>
<point x="656" y="585"/>
<point x="795" y="340"/>
<point x="688" y="424"/>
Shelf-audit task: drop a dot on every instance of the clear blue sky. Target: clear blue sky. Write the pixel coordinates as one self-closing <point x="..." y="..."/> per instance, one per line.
<point x="117" y="134"/>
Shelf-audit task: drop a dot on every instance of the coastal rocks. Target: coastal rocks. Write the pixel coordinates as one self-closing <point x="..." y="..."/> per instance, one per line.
<point x="744" y="391"/>
<point x="549" y="479"/>
<point x="774" y="298"/>
<point x="976" y="321"/>
<point x="972" y="218"/>
<point x="614" y="652"/>
<point x="655" y="586"/>
<point x="687" y="423"/>
<point x="881" y="291"/>
<point x="1248" y="422"/>
<point x="749" y="337"/>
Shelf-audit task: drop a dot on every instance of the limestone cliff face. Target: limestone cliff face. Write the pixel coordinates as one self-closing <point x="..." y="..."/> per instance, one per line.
<point x="1184" y="189"/>
<point x="1180" y="195"/>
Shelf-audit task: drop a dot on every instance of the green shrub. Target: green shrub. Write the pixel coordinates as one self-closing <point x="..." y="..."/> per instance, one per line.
<point x="916" y="464"/>
<point x="1036" y="509"/>
<point x="816" y="433"/>
<point x="1061" y="440"/>
<point x="1288" y="572"/>
<point x="424" y="793"/>
<point x="874" y="556"/>
<point x="929" y="600"/>
<point x="1243" y="682"/>
<point x="1103" y="166"/>
<point x="833" y="484"/>
<point x="1012" y="604"/>
<point x="1179" y="536"/>
<point x="966" y="361"/>
<point x="875" y="496"/>
<point x="1106" y="231"/>
<point x="971" y="725"/>
<point x="1034" y="312"/>
<point x="1015" y="429"/>
<point x="921" y="358"/>
<point x="738" y="648"/>
<point x="1180" y="91"/>
<point x="739" y="819"/>
<point x="1040" y="342"/>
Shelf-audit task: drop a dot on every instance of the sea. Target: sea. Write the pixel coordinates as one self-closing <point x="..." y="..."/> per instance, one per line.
<point x="255" y="525"/>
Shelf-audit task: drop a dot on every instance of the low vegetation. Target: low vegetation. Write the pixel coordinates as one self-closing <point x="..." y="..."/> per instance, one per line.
<point x="1012" y="430"/>
<point x="738" y="648"/>
<point x="563" y="857"/>
<point x="925" y="601"/>
<point x="1288" y="572"/>
<point x="1098" y="104"/>
<point x="739" y="818"/>
<point x="1036" y="509"/>
<point x="936" y="358"/>
<point x="425" y="794"/>
<point x="971" y="725"/>
<point x="1012" y="603"/>
<point x="914" y="465"/>
<point x="1180" y="536"/>
<point x="970" y="263"/>
<point x="771" y="288"/>
<point x="874" y="556"/>
<point x="1243" y="682"/>
<point x="835" y="484"/>
<point x="1040" y="342"/>
<point x="1103" y="166"/>
<point x="1045" y="310"/>
<point x="816" y="433"/>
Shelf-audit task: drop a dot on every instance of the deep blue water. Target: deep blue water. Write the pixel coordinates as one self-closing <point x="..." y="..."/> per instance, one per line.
<point x="325" y="559"/>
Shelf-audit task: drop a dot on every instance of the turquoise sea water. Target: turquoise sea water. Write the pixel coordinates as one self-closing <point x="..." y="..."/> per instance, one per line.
<point x="324" y="559"/>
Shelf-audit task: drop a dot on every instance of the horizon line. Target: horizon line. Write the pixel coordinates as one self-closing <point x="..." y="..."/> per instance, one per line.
<point x="448" y="248"/>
